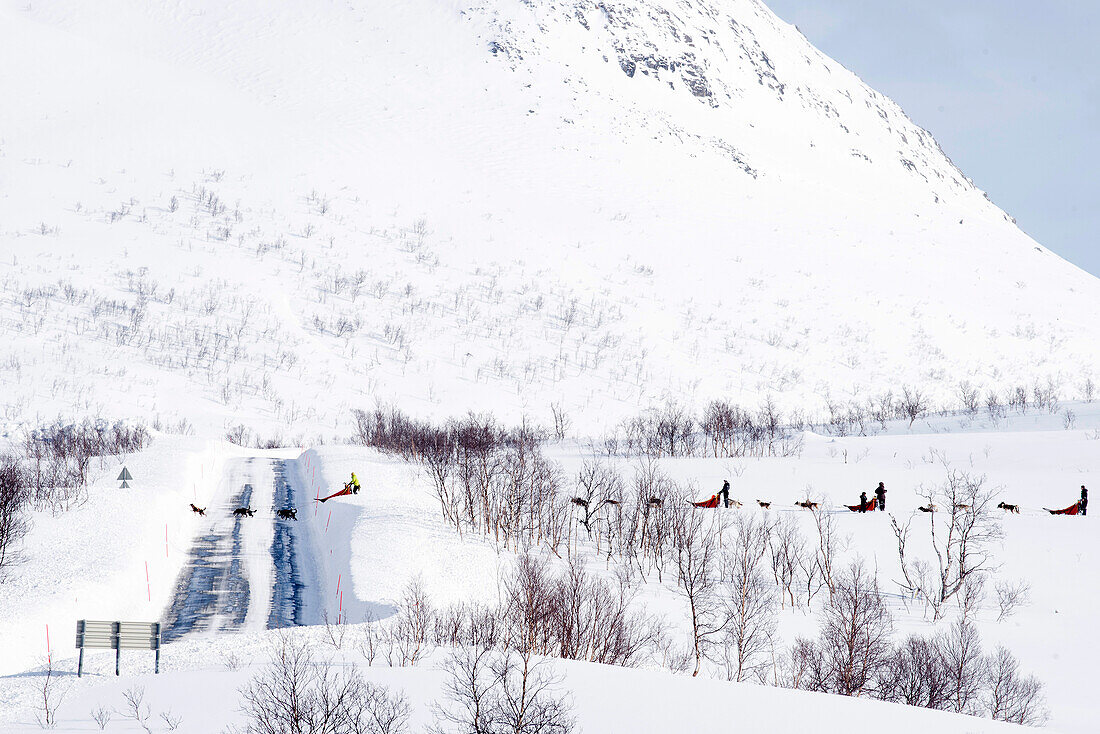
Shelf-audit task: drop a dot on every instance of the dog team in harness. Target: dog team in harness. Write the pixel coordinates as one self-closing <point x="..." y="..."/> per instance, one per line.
<point x="878" y="502"/>
<point x="291" y="513"/>
<point x="719" y="499"/>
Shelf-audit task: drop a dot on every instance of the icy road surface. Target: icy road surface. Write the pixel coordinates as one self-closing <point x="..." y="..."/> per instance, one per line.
<point x="247" y="572"/>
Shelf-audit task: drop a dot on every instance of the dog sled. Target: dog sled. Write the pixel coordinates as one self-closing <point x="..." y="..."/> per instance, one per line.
<point x="348" y="489"/>
<point x="708" y="504"/>
<point x="1071" y="510"/>
<point x="870" y="505"/>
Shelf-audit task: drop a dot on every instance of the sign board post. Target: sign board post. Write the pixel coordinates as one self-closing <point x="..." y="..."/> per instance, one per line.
<point x="115" y="636"/>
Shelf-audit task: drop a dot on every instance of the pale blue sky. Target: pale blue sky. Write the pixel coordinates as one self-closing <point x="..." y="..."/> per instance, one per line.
<point x="1010" y="89"/>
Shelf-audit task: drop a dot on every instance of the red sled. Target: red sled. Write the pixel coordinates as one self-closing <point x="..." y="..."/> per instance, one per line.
<point x="346" y="490"/>
<point x="870" y="506"/>
<point x="1071" y="510"/>
<point x="709" y="504"/>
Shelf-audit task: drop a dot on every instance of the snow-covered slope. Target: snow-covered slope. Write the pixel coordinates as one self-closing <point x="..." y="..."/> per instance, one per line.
<point x="212" y="208"/>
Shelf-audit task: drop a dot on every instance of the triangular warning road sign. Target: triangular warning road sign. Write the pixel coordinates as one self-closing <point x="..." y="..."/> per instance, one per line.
<point x="124" y="485"/>
<point x="124" y="476"/>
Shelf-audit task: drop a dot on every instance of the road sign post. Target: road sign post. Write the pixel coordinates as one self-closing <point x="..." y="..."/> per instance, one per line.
<point x="116" y="636"/>
<point x="124" y="477"/>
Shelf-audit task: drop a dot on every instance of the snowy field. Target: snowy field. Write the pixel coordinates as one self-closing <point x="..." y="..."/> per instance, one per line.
<point x="370" y="546"/>
<point x="244" y="220"/>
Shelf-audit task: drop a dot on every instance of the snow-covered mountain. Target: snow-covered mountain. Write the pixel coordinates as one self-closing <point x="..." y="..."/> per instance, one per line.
<point x="212" y="209"/>
<point x="251" y="214"/>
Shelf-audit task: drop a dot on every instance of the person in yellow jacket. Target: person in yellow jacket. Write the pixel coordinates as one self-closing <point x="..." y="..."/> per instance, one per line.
<point x="354" y="484"/>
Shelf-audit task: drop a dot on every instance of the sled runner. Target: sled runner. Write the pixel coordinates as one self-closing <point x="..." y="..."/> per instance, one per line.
<point x="870" y="506"/>
<point x="1071" y="510"/>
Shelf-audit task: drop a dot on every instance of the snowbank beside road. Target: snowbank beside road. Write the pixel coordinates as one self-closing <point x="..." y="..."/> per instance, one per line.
<point x="372" y="544"/>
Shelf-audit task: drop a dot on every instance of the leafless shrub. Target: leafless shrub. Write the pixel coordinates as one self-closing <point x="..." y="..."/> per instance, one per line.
<point x="993" y="406"/>
<point x="14" y="497"/>
<point x="914" y="403"/>
<point x="830" y="543"/>
<point x="335" y="633"/>
<point x="240" y="435"/>
<point x="370" y="643"/>
<point x="488" y="480"/>
<point x="961" y="537"/>
<point x="592" y="619"/>
<point x="469" y="625"/>
<point x="854" y="642"/>
<point x="962" y="658"/>
<point x="1018" y="398"/>
<point x="231" y="659"/>
<point x="1010" y="597"/>
<point x="101" y="715"/>
<point x="972" y="596"/>
<point x="794" y="667"/>
<point x="749" y="600"/>
<point x="916" y="675"/>
<point x="502" y="693"/>
<point x="296" y="694"/>
<point x="787" y="549"/>
<point x="171" y="721"/>
<point x="732" y="431"/>
<point x="562" y="422"/>
<point x="1011" y="697"/>
<point x="695" y="555"/>
<point x="599" y="487"/>
<point x="969" y="397"/>
<point x="50" y="693"/>
<point x="1045" y="395"/>
<point x="59" y="456"/>
<point x="412" y="626"/>
<point x="136" y="708"/>
<point x="670" y="653"/>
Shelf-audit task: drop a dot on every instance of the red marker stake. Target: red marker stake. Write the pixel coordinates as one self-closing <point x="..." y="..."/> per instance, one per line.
<point x="49" y="658"/>
<point x="328" y="521"/>
<point x="338" y="577"/>
<point x="148" y="588"/>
